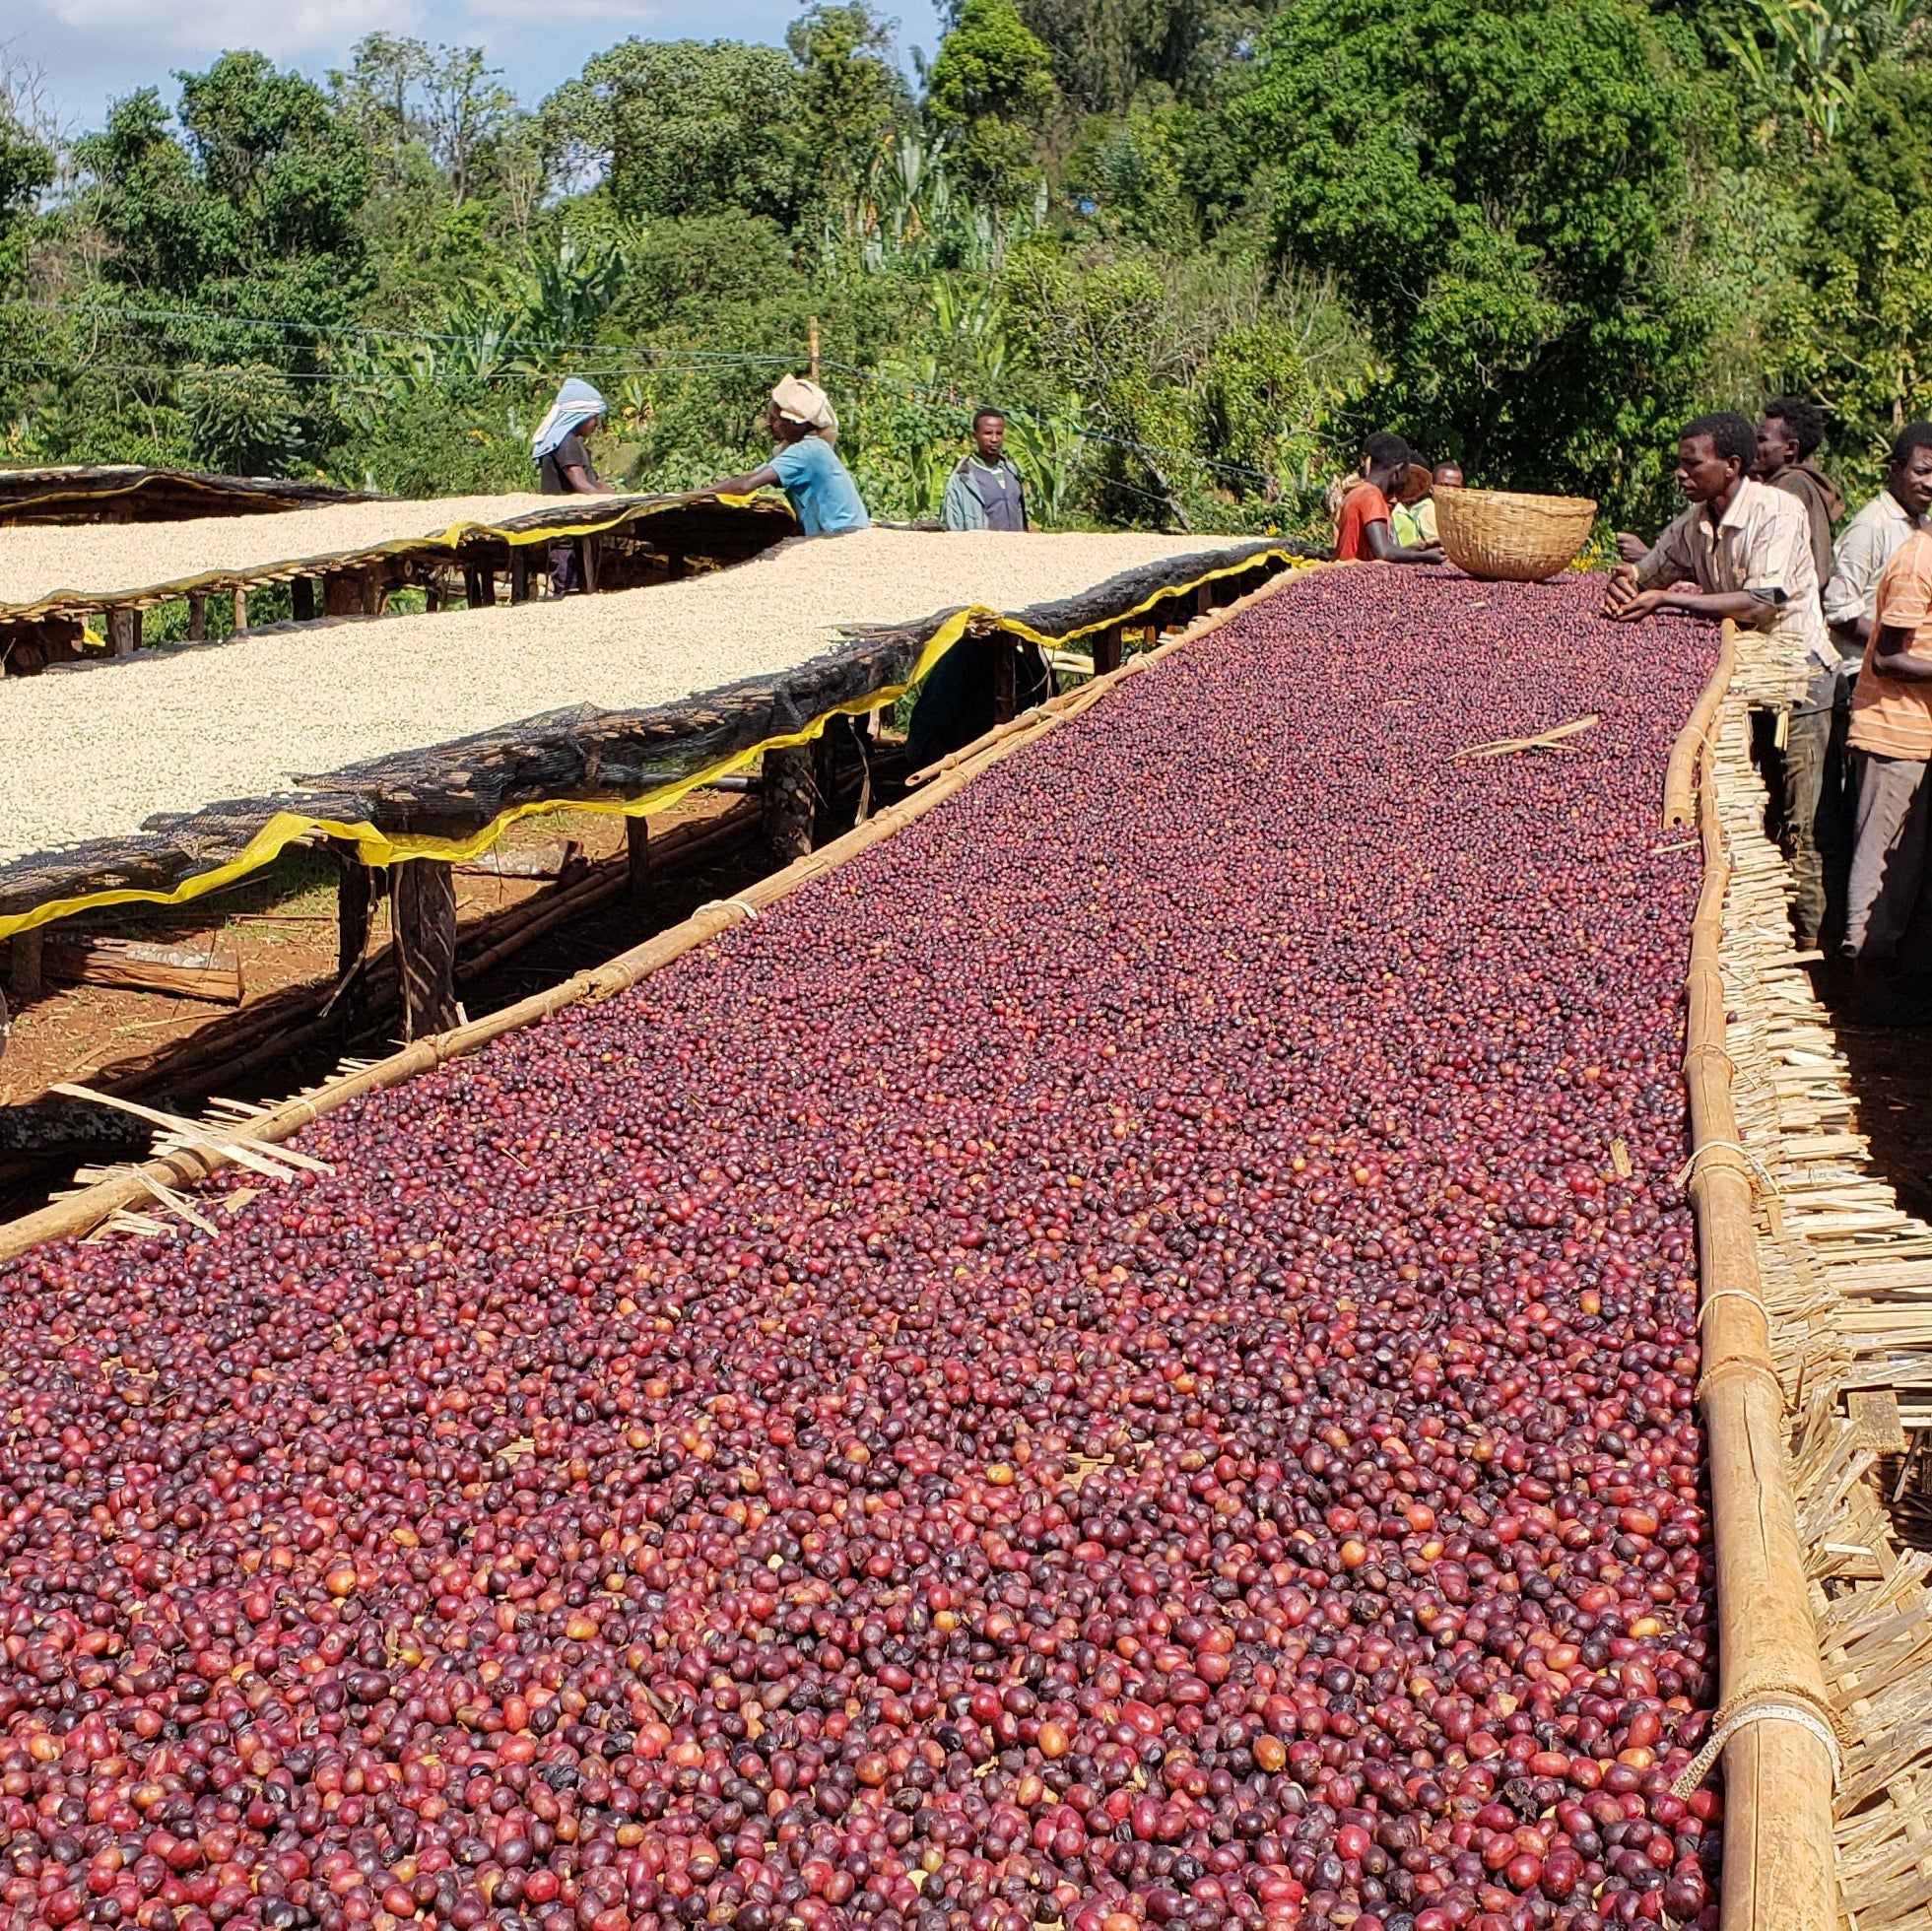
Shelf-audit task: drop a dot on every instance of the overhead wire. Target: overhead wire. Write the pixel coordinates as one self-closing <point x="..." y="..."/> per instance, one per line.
<point x="643" y="358"/>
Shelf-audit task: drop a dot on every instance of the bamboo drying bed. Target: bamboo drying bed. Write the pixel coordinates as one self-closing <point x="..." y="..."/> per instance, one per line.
<point x="127" y="493"/>
<point x="70" y="573"/>
<point x="454" y="798"/>
<point x="116" y="1200"/>
<point x="1821" y="1296"/>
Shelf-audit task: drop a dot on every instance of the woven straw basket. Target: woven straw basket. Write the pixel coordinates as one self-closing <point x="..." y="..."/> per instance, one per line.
<point x="1496" y="533"/>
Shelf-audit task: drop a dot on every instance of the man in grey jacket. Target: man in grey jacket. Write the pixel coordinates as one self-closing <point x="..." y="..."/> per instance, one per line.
<point x="985" y="491"/>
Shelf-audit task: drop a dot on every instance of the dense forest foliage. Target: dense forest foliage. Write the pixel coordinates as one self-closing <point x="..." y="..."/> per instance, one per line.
<point x="1195" y="248"/>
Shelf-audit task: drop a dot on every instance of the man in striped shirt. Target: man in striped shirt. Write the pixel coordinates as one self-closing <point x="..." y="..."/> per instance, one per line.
<point x="1743" y="550"/>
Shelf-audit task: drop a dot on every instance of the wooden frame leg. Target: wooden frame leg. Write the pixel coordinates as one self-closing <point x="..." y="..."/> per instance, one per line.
<point x="423" y="905"/>
<point x="790" y="801"/>
<point x="197" y="617"/>
<point x="25" y="981"/>
<point x="240" y="611"/>
<point x="519" y="572"/>
<point x="636" y="851"/>
<point x="302" y="599"/>
<point x="1106" y="651"/>
<point x="124" y="629"/>
<point x="1005" y="676"/>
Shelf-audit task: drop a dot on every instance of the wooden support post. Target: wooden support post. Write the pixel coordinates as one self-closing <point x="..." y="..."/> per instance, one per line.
<point x="27" y="981"/>
<point x="824" y="780"/>
<point x="519" y="572"/>
<point x="197" y="615"/>
<point x="790" y="801"/>
<point x="1005" y="676"/>
<point x="302" y="599"/>
<point x="588" y="561"/>
<point x="124" y="629"/>
<point x="357" y="887"/>
<point x="240" y="611"/>
<point x="637" y="849"/>
<point x="342" y="594"/>
<point x="375" y="593"/>
<point x="423" y="907"/>
<point x="1203" y="599"/>
<point x="479" y="587"/>
<point x="1106" y="651"/>
<point x="432" y="593"/>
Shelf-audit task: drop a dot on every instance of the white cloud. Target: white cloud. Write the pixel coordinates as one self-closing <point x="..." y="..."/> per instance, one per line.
<point x="626" y="14"/>
<point x="165" y="28"/>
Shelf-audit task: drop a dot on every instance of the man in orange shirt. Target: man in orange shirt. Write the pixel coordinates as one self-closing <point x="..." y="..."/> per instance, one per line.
<point x="1888" y="909"/>
<point x="1362" y="528"/>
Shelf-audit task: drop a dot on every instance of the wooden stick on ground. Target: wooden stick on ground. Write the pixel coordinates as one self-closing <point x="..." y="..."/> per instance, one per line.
<point x="80" y="1212"/>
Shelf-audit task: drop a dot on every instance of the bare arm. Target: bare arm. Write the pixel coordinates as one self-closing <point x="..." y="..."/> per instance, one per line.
<point x="1892" y="656"/>
<point x="583" y="479"/>
<point x="1627" y="603"/>
<point x="762" y="478"/>
<point x="1384" y="547"/>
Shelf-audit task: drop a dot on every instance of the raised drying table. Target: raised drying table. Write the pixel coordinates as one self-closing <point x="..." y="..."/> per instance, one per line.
<point x="129" y="492"/>
<point x="53" y="580"/>
<point x="167" y="776"/>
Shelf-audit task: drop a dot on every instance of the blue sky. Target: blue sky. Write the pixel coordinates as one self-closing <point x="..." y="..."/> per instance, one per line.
<point x="90" y="50"/>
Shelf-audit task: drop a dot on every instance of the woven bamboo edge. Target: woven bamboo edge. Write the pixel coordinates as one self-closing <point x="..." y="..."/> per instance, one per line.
<point x="81" y="1212"/>
<point x="1845" y="1280"/>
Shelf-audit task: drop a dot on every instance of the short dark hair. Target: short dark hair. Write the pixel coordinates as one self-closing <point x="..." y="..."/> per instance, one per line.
<point x="986" y="410"/>
<point x="1805" y="422"/>
<point x="1730" y="435"/>
<point x="1386" y="451"/>
<point x="1914" y="435"/>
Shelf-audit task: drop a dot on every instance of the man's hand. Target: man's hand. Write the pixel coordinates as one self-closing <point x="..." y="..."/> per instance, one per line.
<point x="1624" y="602"/>
<point x="1633" y="548"/>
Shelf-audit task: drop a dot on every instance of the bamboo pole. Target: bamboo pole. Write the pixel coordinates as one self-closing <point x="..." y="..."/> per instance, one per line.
<point x="1681" y="773"/>
<point x="1779" y="1852"/>
<point x="82" y="1212"/>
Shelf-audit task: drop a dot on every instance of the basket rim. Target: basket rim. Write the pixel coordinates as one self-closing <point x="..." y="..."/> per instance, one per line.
<point x="1527" y="497"/>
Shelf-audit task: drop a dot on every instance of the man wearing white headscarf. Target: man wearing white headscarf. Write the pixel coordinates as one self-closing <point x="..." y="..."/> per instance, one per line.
<point x="820" y="487"/>
<point x="562" y="459"/>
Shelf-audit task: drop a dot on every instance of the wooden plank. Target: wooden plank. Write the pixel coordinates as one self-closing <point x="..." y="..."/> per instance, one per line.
<point x="1875" y="1413"/>
<point x="215" y="975"/>
<point x="545" y="861"/>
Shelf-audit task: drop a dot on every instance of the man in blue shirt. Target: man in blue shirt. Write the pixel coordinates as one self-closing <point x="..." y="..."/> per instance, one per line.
<point x="820" y="487"/>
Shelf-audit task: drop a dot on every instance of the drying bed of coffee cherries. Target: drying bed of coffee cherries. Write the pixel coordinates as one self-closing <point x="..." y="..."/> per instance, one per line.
<point x="1126" y="1359"/>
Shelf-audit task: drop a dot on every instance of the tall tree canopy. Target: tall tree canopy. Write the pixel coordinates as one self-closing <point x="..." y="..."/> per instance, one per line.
<point x="1495" y="188"/>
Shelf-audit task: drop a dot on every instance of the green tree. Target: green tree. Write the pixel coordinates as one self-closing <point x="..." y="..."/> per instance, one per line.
<point x="1105" y="52"/>
<point x="1496" y="190"/>
<point x="1865" y="337"/>
<point x="683" y="127"/>
<point x="247" y="230"/>
<point x="988" y="90"/>
<point x="851" y="100"/>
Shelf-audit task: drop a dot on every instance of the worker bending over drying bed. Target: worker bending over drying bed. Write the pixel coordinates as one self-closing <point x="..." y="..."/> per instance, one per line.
<point x="1363" y="531"/>
<point x="818" y="487"/>
<point x="1742" y="549"/>
<point x="563" y="468"/>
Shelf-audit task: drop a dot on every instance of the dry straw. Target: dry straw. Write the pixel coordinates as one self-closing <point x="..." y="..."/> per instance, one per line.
<point x="1827" y="1290"/>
